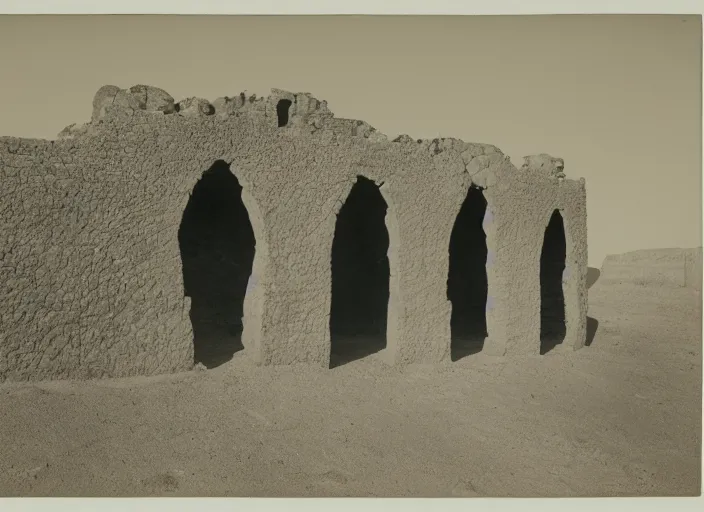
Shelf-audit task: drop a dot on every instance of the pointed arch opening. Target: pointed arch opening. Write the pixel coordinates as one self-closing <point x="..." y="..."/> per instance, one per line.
<point x="360" y="275"/>
<point x="552" y="295"/>
<point x="217" y="242"/>
<point x="467" y="283"/>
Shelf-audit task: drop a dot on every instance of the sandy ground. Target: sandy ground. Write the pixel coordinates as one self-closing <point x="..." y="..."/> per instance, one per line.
<point x="621" y="417"/>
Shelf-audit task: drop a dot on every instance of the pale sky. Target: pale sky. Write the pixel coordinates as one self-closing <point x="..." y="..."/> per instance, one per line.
<point x="618" y="97"/>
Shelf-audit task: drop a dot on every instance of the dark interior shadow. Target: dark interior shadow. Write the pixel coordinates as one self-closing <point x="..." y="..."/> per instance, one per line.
<point x="282" y="112"/>
<point x="217" y="252"/>
<point x="592" y="327"/>
<point x="360" y="276"/>
<point x="552" y="297"/>
<point x="467" y="284"/>
<point x="592" y="276"/>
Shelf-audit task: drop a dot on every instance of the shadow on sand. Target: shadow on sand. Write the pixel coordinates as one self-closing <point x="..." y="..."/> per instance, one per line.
<point x="592" y="276"/>
<point x="592" y="327"/>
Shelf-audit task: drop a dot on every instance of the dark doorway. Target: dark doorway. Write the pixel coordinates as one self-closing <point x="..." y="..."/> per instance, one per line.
<point x="282" y="108"/>
<point x="217" y="251"/>
<point x="467" y="284"/>
<point x="360" y="275"/>
<point x="552" y="297"/>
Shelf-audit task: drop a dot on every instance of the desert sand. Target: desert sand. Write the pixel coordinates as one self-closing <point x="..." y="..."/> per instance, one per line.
<point x="620" y="417"/>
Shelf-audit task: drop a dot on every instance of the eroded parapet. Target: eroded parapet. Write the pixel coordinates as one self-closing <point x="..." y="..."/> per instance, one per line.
<point x="138" y="97"/>
<point x="300" y="110"/>
<point x="544" y="164"/>
<point x="477" y="158"/>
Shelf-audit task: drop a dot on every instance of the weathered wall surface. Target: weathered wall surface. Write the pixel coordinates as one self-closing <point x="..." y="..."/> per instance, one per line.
<point x="521" y="205"/>
<point x="655" y="267"/>
<point x="91" y="279"/>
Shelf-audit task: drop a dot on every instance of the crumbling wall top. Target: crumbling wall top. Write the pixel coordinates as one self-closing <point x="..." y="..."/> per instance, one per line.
<point x="299" y="113"/>
<point x="544" y="164"/>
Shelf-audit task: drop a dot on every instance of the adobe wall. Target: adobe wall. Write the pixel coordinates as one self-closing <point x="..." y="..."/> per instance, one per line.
<point x="91" y="281"/>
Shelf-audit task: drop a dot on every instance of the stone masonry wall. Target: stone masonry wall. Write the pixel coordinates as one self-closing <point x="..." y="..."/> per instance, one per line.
<point x="91" y="281"/>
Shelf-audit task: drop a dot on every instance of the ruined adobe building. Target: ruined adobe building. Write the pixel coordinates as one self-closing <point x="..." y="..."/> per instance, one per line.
<point x="137" y="243"/>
